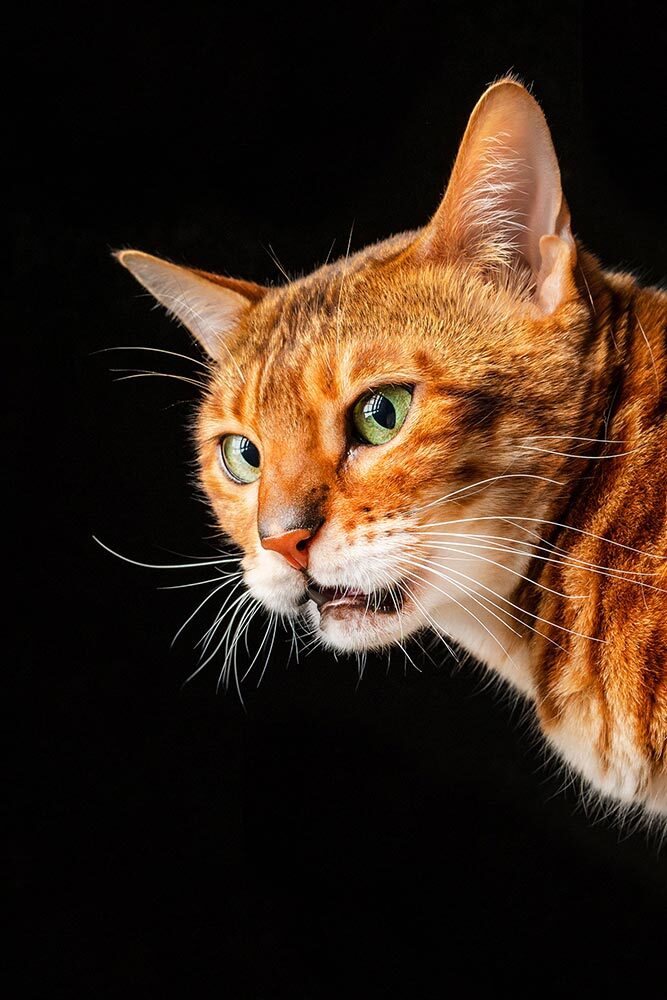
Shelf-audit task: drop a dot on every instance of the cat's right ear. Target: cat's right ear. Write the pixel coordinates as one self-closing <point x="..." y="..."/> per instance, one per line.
<point x="209" y="305"/>
<point x="504" y="209"/>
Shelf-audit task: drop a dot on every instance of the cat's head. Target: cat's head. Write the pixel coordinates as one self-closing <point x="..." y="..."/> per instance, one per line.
<point x="356" y="416"/>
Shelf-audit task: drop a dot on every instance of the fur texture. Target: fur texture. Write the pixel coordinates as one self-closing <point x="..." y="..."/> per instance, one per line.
<point x="520" y="512"/>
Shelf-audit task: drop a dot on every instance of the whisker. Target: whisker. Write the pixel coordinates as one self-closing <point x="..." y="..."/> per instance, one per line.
<point x="650" y="351"/>
<point x="448" y="546"/>
<point x="556" y="524"/>
<point x="268" y="655"/>
<point x="236" y="607"/>
<point x="231" y="649"/>
<point x="484" y="482"/>
<point x="482" y="600"/>
<point x="431" y="621"/>
<point x="568" y="454"/>
<point x="155" y="350"/>
<point x="294" y="641"/>
<point x="478" y="598"/>
<point x="463" y="608"/>
<point x="506" y="600"/>
<point x="567" y="437"/>
<point x="143" y="565"/>
<point x="145" y="373"/>
<point x="408" y="657"/>
<point x="260" y="647"/>
<point x="328" y="257"/>
<point x="201" y="665"/>
<point x="205" y="601"/>
<point x="201" y="583"/>
<point x="228" y="552"/>
<point x="274" y="257"/>
<point x="567" y="563"/>
<point x="342" y="280"/>
<point x="209" y="634"/>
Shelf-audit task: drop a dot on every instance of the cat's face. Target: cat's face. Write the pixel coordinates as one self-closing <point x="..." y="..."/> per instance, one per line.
<point x="354" y="413"/>
<point x="462" y="373"/>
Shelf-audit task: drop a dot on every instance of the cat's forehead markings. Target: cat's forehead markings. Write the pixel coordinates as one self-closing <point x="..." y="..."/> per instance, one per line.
<point x="294" y="386"/>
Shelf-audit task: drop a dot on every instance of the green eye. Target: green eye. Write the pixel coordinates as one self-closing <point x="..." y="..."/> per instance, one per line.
<point x="240" y="458"/>
<point x="379" y="415"/>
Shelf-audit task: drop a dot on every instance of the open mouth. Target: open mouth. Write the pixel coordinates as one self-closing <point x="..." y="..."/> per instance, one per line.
<point x="387" y="601"/>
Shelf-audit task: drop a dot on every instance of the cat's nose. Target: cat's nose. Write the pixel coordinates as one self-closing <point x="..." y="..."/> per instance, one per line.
<point x="292" y="545"/>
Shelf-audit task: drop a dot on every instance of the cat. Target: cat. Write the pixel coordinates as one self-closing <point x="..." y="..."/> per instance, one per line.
<point x="462" y="429"/>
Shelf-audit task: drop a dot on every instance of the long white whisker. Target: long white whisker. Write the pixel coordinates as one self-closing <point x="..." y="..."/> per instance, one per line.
<point x="540" y="520"/>
<point x="482" y="600"/>
<point x="235" y="608"/>
<point x="484" y="482"/>
<point x="449" y="547"/>
<point x="231" y="646"/>
<point x="268" y="655"/>
<point x="260" y="647"/>
<point x="463" y="608"/>
<point x="200" y="583"/>
<point x="408" y="657"/>
<point x="478" y="598"/>
<point x="223" y="618"/>
<point x="142" y="373"/>
<point x="562" y="628"/>
<point x="206" y="661"/>
<point x="568" y="454"/>
<point x="650" y="351"/>
<point x="431" y="621"/>
<point x="156" y="350"/>
<point x="607" y="571"/>
<point x="205" y="601"/>
<point x="143" y="565"/>
<point x="342" y="281"/>
<point x="568" y="437"/>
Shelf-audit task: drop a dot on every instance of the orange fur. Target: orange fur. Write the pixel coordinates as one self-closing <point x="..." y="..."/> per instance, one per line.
<point x="500" y="510"/>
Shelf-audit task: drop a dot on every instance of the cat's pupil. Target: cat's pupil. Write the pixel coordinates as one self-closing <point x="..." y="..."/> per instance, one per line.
<point x="249" y="453"/>
<point x="382" y="411"/>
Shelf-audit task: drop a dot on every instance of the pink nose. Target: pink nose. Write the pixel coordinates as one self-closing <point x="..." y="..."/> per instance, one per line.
<point x="292" y="545"/>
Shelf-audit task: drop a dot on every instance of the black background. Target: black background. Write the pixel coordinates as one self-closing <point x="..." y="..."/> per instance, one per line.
<point x="407" y="832"/>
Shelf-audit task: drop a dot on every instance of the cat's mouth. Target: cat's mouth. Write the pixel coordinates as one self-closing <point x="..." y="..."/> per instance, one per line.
<point x="350" y="619"/>
<point x="340" y="600"/>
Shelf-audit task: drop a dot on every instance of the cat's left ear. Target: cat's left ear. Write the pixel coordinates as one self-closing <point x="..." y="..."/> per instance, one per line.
<point x="209" y="305"/>
<point x="504" y="207"/>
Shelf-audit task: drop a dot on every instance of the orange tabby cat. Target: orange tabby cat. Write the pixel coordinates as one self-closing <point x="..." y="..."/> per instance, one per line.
<point x="463" y="429"/>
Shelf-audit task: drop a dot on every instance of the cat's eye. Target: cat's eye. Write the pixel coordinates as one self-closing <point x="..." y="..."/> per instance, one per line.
<point x="379" y="415"/>
<point x="240" y="458"/>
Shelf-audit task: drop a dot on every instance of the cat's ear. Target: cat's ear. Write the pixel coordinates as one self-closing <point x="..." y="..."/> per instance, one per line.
<point x="504" y="207"/>
<point x="209" y="305"/>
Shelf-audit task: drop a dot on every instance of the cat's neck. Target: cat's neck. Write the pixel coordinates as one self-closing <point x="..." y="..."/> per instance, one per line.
<point x="626" y="388"/>
<point x="627" y="352"/>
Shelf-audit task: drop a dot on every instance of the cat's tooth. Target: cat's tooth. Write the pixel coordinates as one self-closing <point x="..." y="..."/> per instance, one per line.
<point x="316" y="596"/>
